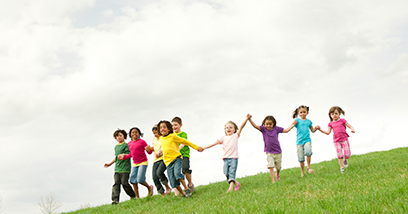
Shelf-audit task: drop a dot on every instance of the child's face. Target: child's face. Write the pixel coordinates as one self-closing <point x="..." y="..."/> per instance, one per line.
<point x="335" y="115"/>
<point x="269" y="125"/>
<point x="135" y="134"/>
<point x="120" y="138"/>
<point x="163" y="129"/>
<point x="229" y="129"/>
<point x="176" y="126"/>
<point x="156" y="133"/>
<point x="302" y="112"/>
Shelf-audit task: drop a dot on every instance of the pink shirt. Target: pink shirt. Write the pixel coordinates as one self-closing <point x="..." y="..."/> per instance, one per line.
<point x="229" y="145"/>
<point x="137" y="151"/>
<point x="339" y="130"/>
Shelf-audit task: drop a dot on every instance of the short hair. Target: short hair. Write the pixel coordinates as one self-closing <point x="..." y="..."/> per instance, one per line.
<point x="333" y="109"/>
<point x="269" y="117"/>
<point x="156" y="128"/>
<point x="116" y="133"/>
<point x="177" y="120"/>
<point x="295" y="113"/>
<point x="138" y="130"/>
<point x="235" y="126"/>
<point x="168" y="124"/>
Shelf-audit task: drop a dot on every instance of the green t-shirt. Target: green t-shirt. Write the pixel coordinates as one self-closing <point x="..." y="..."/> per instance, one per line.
<point x="185" y="151"/>
<point x="122" y="166"/>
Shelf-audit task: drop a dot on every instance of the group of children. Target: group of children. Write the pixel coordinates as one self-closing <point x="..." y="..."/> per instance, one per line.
<point x="172" y="152"/>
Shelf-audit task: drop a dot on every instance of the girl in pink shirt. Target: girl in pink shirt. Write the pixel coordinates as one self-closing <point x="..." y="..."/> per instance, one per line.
<point x="230" y="146"/>
<point x="340" y="136"/>
<point x="137" y="148"/>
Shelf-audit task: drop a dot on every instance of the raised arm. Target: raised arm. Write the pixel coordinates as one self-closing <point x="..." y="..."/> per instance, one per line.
<point x="350" y="127"/>
<point x="252" y="122"/>
<point x="241" y="127"/>
<point x="290" y="127"/>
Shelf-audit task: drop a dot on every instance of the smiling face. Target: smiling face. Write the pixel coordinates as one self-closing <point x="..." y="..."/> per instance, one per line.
<point x="269" y="124"/>
<point x="302" y="112"/>
<point x="135" y="134"/>
<point x="120" y="138"/>
<point x="229" y="129"/>
<point x="163" y="129"/>
<point x="176" y="127"/>
<point x="335" y="115"/>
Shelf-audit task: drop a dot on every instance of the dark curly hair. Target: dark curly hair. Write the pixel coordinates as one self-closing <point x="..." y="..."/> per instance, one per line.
<point x="116" y="133"/>
<point x="138" y="130"/>
<point x="168" y="124"/>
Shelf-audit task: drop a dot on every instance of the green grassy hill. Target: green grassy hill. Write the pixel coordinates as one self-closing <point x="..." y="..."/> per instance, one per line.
<point x="373" y="183"/>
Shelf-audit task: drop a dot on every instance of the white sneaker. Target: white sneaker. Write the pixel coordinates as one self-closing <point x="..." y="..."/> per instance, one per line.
<point x="342" y="170"/>
<point x="345" y="163"/>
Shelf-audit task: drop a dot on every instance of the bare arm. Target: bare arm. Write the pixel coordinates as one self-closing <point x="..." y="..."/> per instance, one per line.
<point x="313" y="129"/>
<point x="350" y="127"/>
<point x="325" y="132"/>
<point x="290" y="127"/>
<point x="241" y="127"/>
<point x="249" y="117"/>
<point x="211" y="145"/>
<point x="106" y="165"/>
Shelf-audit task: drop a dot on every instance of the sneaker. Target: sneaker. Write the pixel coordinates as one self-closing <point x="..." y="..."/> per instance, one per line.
<point x="188" y="192"/>
<point x="342" y="170"/>
<point x="115" y="202"/>
<point x="237" y="185"/>
<point x="192" y="189"/>
<point x="345" y="163"/>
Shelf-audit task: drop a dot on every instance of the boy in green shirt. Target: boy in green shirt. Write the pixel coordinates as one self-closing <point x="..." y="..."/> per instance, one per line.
<point x="122" y="167"/>
<point x="185" y="152"/>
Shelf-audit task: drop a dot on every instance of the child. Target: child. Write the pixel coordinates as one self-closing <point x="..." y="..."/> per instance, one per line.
<point x="172" y="157"/>
<point x="159" y="167"/>
<point x="122" y="168"/>
<point x="137" y="148"/>
<point x="303" y="141"/>
<point x="340" y="136"/>
<point x="230" y="146"/>
<point x="272" y="147"/>
<point x="185" y="152"/>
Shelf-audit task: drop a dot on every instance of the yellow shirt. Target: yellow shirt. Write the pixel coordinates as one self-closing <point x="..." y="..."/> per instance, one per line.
<point x="170" y="147"/>
<point x="157" y="147"/>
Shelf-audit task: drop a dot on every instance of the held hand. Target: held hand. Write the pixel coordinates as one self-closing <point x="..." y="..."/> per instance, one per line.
<point x="148" y="148"/>
<point x="248" y="116"/>
<point x="120" y="157"/>
<point x="317" y="127"/>
<point x="353" y="131"/>
<point x="200" y="149"/>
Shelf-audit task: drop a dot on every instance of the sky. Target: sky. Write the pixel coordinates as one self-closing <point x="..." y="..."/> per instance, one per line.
<point x="72" y="72"/>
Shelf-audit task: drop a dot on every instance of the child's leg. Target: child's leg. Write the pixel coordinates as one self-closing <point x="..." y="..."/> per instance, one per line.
<point x="346" y="148"/>
<point x="187" y="171"/>
<point x="271" y="165"/>
<point x="126" y="186"/>
<point x="308" y="153"/>
<point x="339" y="151"/>
<point x="301" y="158"/>
<point x="278" y="165"/>
<point x="116" y="188"/>
<point x="156" y="179"/>
<point x="160" y="173"/>
<point x="231" y="186"/>
<point x="230" y="170"/>
<point x="272" y="173"/>
<point x="133" y="180"/>
<point x="141" y="178"/>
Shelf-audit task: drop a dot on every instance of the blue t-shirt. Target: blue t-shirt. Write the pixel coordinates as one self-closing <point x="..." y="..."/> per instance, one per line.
<point x="271" y="139"/>
<point x="303" y="132"/>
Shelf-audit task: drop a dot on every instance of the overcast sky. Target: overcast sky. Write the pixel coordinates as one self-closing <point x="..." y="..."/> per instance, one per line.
<point x="72" y="72"/>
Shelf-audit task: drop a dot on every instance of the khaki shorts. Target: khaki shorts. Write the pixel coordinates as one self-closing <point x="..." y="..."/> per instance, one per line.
<point x="274" y="160"/>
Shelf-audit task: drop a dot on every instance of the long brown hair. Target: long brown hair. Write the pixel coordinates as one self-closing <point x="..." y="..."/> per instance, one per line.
<point x="295" y="113"/>
<point x="333" y="109"/>
<point x="269" y="117"/>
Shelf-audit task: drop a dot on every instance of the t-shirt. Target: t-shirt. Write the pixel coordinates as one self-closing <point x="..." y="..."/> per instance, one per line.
<point x="303" y="131"/>
<point x="271" y="141"/>
<point x="185" y="151"/>
<point x="122" y="166"/>
<point x="156" y="147"/>
<point x="137" y="151"/>
<point x="170" y="147"/>
<point x="339" y="130"/>
<point x="229" y="145"/>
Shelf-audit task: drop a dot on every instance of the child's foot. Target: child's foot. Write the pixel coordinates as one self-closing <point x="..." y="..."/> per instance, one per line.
<point x="342" y="170"/>
<point x="192" y="189"/>
<point x="188" y="192"/>
<point x="310" y="170"/>
<point x="345" y="163"/>
<point x="115" y="202"/>
<point x="302" y="174"/>
<point x="151" y="190"/>
<point x="237" y="185"/>
<point x="176" y="192"/>
<point x="277" y="176"/>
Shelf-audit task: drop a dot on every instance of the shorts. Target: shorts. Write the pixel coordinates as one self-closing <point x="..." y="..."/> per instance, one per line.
<point x="138" y="174"/>
<point x="174" y="172"/>
<point x="304" y="150"/>
<point x="274" y="160"/>
<point x="185" y="168"/>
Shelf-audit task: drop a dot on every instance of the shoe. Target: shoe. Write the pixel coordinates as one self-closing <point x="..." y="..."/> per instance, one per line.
<point x="277" y="177"/>
<point x="192" y="189"/>
<point x="188" y="192"/>
<point x="345" y="163"/>
<point x="186" y="196"/>
<point x="237" y="185"/>
<point x="342" y="170"/>
<point x="115" y="202"/>
<point x="152" y="192"/>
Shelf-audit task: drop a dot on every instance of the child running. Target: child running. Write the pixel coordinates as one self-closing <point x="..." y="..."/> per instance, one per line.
<point x="122" y="167"/>
<point x="185" y="152"/>
<point x="340" y="136"/>
<point x="230" y="146"/>
<point x="272" y="147"/>
<point x="303" y="140"/>
<point x="137" y="149"/>
<point x="172" y="156"/>
<point x="159" y="167"/>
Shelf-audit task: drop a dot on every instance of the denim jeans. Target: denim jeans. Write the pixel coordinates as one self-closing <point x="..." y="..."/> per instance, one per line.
<point x="304" y="150"/>
<point x="138" y="174"/>
<point x="174" y="172"/>
<point x="159" y="177"/>
<point x="230" y="168"/>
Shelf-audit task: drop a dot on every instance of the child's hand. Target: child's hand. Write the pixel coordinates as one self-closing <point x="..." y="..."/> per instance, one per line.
<point x="353" y="131"/>
<point x="200" y="149"/>
<point x="317" y="127"/>
<point x="106" y="165"/>
<point x="148" y="148"/>
<point x="120" y="157"/>
<point x="249" y="116"/>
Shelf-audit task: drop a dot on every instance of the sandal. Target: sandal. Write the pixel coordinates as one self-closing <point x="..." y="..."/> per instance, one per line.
<point x="277" y="176"/>
<point x="310" y="170"/>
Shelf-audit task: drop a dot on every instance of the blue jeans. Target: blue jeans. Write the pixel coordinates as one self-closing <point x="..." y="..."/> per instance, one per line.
<point x="138" y="174"/>
<point x="230" y="168"/>
<point x="174" y="172"/>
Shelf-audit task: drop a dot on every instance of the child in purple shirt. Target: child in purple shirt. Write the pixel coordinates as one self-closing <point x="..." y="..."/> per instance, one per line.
<point x="272" y="146"/>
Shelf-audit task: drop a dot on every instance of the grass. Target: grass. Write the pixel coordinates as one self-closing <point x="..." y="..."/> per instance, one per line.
<point x="376" y="182"/>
